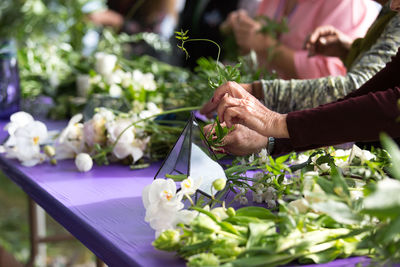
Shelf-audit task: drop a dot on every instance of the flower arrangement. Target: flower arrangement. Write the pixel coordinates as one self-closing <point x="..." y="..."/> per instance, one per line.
<point x="107" y="136"/>
<point x="322" y="204"/>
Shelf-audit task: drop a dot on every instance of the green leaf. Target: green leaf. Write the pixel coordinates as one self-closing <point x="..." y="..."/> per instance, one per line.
<point x="326" y="185"/>
<point x="258" y="231"/>
<point x="339" y="211"/>
<point x="264" y="260"/>
<point x="394" y="152"/>
<point x="339" y="183"/>
<point x="257" y="212"/>
<point x="177" y="177"/>
<point x="282" y="159"/>
<point x="384" y="199"/>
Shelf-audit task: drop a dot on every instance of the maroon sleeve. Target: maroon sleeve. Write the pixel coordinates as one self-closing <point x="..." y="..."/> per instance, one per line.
<point x="360" y="118"/>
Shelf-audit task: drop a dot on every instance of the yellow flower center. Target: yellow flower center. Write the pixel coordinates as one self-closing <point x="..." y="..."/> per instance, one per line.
<point x="36" y="140"/>
<point x="187" y="183"/>
<point x="167" y="195"/>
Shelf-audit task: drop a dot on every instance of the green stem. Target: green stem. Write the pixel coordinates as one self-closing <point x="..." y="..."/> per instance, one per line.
<point x="153" y="116"/>
<point x="207" y="40"/>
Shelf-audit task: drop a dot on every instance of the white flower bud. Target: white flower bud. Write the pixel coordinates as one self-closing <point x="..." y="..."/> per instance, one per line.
<point x="83" y="162"/>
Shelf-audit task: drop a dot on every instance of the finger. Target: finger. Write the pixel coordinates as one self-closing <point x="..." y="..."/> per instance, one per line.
<point x="208" y="108"/>
<point x="225" y="103"/>
<point x="234" y="115"/>
<point x="232" y="88"/>
<point x="209" y="130"/>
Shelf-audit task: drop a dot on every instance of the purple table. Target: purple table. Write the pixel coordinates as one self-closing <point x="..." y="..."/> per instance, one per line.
<point x="102" y="208"/>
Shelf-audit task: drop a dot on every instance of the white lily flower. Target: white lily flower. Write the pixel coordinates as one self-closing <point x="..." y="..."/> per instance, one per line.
<point x="83" y="162"/>
<point x="83" y="85"/>
<point x="28" y="140"/>
<point x="105" y="63"/>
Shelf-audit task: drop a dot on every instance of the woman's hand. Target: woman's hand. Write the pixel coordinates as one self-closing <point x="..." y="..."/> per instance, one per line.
<point x="247" y="35"/>
<point x="234" y="90"/>
<point x="328" y="41"/>
<point x="237" y="106"/>
<point x="241" y="141"/>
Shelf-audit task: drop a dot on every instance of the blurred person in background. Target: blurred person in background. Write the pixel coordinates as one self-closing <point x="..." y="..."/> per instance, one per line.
<point x="203" y="19"/>
<point x="352" y="17"/>
<point x="134" y="16"/>
<point x="363" y="59"/>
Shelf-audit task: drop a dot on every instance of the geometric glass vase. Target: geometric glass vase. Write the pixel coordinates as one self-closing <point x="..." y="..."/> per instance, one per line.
<point x="193" y="156"/>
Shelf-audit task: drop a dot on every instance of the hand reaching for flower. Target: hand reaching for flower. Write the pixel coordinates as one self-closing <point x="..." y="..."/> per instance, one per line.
<point x="241" y="140"/>
<point x="237" y="106"/>
<point x="328" y="41"/>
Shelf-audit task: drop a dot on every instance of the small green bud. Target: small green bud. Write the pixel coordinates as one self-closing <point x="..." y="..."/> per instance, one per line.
<point x="49" y="151"/>
<point x="231" y="212"/>
<point x="203" y="259"/>
<point x="168" y="240"/>
<point x="53" y="161"/>
<point x="219" y="184"/>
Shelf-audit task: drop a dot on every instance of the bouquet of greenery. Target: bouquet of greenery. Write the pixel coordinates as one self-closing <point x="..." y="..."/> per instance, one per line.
<point x="323" y="204"/>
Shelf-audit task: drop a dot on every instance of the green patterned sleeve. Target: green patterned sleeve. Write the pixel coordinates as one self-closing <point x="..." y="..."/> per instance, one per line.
<point x="288" y="95"/>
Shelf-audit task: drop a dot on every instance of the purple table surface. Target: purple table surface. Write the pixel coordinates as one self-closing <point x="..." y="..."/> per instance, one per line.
<point x="102" y="208"/>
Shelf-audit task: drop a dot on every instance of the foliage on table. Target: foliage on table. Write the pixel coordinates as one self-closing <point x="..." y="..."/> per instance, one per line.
<point x="323" y="204"/>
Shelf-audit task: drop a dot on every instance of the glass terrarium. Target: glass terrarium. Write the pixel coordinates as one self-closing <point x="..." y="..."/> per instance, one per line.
<point x="193" y="156"/>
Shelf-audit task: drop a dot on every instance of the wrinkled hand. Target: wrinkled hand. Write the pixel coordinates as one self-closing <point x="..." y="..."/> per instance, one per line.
<point x="241" y="141"/>
<point x="237" y="106"/>
<point x="234" y="90"/>
<point x="328" y="41"/>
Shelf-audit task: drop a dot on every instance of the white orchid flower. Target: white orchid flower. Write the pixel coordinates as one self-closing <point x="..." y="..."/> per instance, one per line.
<point x="190" y="186"/>
<point x="105" y="63"/>
<point x="83" y="162"/>
<point x="127" y="143"/>
<point x="28" y="139"/>
<point x="17" y="120"/>
<point x="83" y="85"/>
<point x="162" y="204"/>
<point x="70" y="142"/>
